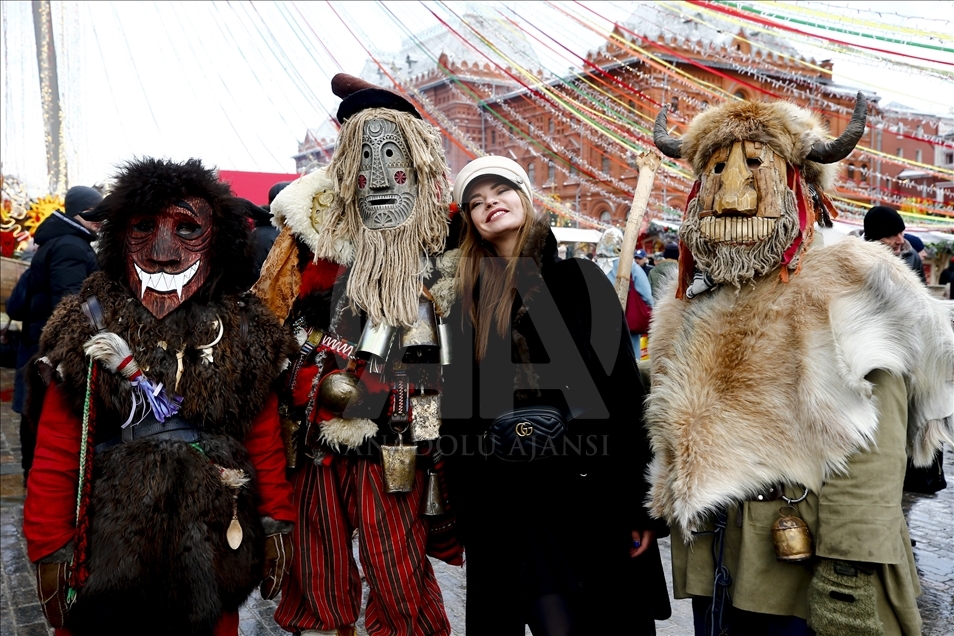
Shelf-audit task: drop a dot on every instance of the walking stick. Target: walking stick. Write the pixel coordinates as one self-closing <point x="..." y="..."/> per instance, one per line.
<point x="648" y="163"/>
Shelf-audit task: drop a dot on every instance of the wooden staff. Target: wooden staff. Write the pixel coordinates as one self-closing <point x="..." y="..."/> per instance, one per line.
<point x="648" y="163"/>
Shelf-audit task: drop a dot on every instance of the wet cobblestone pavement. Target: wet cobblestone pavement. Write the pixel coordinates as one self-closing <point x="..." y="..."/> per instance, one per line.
<point x="930" y="519"/>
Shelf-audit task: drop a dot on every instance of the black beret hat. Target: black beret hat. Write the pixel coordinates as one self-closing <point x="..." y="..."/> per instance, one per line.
<point x="357" y="95"/>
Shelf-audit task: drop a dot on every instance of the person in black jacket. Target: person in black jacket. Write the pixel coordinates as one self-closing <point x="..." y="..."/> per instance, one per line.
<point x="63" y="260"/>
<point x="556" y="535"/>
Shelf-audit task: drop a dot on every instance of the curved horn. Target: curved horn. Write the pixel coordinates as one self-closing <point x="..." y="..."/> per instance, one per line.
<point x="666" y="144"/>
<point x="838" y="149"/>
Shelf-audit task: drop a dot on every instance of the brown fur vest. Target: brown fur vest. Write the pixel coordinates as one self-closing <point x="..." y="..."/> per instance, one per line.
<point x="766" y="383"/>
<point x="159" y="561"/>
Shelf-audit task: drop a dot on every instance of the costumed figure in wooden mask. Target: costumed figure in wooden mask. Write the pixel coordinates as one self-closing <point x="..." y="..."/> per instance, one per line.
<point x="789" y="382"/>
<point x="158" y="499"/>
<point x="358" y="274"/>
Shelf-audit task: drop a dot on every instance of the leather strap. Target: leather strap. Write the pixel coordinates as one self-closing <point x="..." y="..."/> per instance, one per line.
<point x="173" y="428"/>
<point x="94" y="312"/>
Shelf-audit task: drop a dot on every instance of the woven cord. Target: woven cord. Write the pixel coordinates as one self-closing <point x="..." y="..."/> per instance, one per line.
<point x="79" y="570"/>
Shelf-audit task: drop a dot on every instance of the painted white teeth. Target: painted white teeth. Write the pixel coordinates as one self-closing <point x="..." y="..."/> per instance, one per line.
<point x="163" y="282"/>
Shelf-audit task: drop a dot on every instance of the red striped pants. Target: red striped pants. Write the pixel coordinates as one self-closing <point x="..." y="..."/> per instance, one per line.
<point x="323" y="589"/>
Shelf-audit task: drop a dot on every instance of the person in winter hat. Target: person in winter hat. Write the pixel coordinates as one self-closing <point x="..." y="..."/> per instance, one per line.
<point x="807" y="373"/>
<point x="358" y="273"/>
<point x="63" y="260"/>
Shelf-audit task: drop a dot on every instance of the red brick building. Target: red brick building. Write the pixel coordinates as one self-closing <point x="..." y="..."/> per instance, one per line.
<point x="486" y="108"/>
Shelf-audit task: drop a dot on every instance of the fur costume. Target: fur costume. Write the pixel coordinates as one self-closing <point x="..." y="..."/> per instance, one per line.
<point x="763" y="381"/>
<point x="159" y="562"/>
<point x="767" y="384"/>
<point x="339" y="267"/>
<point x="783" y="366"/>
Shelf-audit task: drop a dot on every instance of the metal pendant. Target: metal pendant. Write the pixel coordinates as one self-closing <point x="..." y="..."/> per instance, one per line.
<point x="425" y="416"/>
<point x="433" y="502"/>
<point x="399" y="462"/>
<point x="234" y="533"/>
<point x="423" y="333"/>
<point x="791" y="537"/>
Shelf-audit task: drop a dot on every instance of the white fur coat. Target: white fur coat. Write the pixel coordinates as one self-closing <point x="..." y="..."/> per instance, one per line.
<point x="767" y="384"/>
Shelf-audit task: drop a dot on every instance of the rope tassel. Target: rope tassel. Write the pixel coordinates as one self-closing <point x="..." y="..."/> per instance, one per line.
<point x="113" y="352"/>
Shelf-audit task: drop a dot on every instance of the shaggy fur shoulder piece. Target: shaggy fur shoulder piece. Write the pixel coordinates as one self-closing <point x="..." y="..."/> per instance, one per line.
<point x="789" y="130"/>
<point x="223" y="387"/>
<point x="766" y="384"/>
<point x="351" y="433"/>
<point x="302" y="206"/>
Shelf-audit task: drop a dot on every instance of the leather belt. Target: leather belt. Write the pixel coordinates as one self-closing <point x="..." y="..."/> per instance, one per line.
<point x="772" y="493"/>
<point x="173" y="428"/>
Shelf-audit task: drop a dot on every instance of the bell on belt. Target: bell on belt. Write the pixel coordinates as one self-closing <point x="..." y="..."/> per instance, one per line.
<point x="339" y="389"/>
<point x="399" y="462"/>
<point x="433" y="502"/>
<point x="792" y="538"/>
<point x="375" y="341"/>
<point x="443" y="333"/>
<point x="423" y="333"/>
<point x="426" y="420"/>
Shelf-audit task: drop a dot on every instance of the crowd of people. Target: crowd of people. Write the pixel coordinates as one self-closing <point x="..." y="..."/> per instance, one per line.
<point x="414" y="363"/>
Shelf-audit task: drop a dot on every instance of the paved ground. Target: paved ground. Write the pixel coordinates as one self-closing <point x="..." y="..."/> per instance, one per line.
<point x="930" y="518"/>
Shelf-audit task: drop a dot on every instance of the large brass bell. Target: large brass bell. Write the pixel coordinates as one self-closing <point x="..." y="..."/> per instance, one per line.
<point x="399" y="462"/>
<point x="791" y="537"/>
<point x="338" y="390"/>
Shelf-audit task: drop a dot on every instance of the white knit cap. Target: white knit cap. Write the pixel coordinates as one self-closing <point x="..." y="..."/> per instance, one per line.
<point x="491" y="165"/>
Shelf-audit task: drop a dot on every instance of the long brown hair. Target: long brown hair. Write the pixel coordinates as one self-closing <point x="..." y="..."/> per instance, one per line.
<point x="479" y="262"/>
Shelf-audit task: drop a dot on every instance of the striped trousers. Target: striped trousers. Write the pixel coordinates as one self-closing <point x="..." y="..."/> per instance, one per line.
<point x="323" y="589"/>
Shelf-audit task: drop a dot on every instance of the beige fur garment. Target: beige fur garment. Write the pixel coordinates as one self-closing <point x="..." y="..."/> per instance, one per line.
<point x="766" y="383"/>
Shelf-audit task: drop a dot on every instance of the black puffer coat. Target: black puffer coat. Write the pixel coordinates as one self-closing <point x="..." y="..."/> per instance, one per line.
<point x="562" y="524"/>
<point x="63" y="261"/>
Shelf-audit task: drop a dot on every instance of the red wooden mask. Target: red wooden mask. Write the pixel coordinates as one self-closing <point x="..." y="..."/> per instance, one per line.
<point x="168" y="254"/>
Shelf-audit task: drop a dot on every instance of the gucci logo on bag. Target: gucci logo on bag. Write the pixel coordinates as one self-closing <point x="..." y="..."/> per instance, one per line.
<point x="523" y="429"/>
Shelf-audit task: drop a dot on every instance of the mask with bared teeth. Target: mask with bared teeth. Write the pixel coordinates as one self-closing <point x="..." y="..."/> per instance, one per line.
<point x="168" y="254"/>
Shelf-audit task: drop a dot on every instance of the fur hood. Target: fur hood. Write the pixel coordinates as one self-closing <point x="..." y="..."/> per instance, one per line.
<point x="302" y="206"/>
<point x="149" y="186"/>
<point x="766" y="383"/>
<point x="787" y="129"/>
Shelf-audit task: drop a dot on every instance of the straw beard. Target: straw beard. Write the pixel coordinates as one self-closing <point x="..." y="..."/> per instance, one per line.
<point x="734" y="263"/>
<point x="387" y="265"/>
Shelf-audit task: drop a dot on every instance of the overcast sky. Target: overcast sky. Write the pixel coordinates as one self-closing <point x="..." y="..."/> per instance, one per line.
<point x="238" y="83"/>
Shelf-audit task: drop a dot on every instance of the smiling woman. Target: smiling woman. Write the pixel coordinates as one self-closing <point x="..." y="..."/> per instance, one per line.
<point x="553" y="438"/>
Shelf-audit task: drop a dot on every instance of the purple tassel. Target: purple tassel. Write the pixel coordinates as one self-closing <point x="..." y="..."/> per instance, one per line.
<point x="162" y="405"/>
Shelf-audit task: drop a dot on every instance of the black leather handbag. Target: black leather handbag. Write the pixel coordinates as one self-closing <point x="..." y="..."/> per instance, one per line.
<point x="527" y="434"/>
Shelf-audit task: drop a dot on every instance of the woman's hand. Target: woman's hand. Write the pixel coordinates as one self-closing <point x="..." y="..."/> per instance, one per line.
<point x="642" y="539"/>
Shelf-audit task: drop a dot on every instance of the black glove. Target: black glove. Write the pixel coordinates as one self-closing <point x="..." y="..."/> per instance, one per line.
<point x="278" y="558"/>
<point x="52" y="582"/>
<point x="842" y="600"/>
